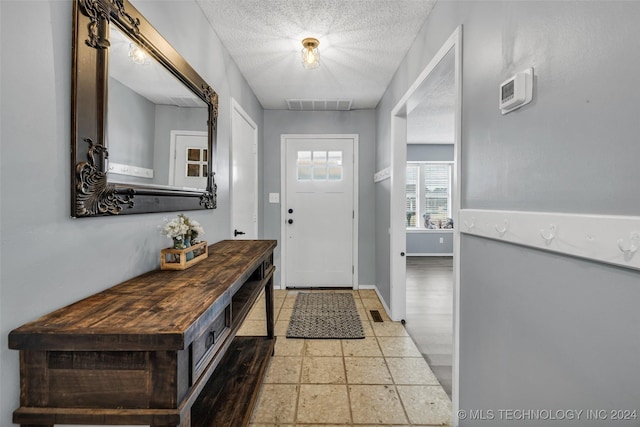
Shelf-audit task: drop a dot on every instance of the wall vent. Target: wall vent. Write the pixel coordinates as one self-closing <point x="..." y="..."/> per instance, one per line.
<point x="319" y="104"/>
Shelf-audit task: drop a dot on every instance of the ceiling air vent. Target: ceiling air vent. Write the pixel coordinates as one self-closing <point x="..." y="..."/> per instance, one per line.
<point x="319" y="104"/>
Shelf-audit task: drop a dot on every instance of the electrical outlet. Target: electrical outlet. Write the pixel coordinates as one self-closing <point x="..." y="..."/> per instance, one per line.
<point x="442" y="240"/>
<point x="274" y="197"/>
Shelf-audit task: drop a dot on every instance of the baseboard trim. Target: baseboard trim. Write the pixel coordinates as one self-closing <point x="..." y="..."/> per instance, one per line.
<point x="431" y="254"/>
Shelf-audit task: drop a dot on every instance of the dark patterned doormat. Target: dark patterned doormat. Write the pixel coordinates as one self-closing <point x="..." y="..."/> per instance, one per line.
<point x="325" y="315"/>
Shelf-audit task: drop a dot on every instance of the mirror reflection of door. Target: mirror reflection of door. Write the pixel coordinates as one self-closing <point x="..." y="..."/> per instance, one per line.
<point x="189" y="167"/>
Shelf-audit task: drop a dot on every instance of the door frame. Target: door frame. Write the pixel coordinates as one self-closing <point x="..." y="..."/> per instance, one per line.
<point x="237" y="108"/>
<point x="173" y="135"/>
<point x="283" y="199"/>
<point x="397" y="240"/>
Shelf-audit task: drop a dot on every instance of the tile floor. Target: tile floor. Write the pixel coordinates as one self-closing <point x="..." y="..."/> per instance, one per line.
<point x="381" y="380"/>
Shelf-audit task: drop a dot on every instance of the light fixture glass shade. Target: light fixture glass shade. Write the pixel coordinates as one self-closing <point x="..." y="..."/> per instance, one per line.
<point x="138" y="55"/>
<point x="310" y="53"/>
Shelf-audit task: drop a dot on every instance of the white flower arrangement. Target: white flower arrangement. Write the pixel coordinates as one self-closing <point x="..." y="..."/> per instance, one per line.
<point x="181" y="228"/>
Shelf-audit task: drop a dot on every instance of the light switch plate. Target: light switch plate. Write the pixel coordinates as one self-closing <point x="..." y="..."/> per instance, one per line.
<point x="274" y="197"/>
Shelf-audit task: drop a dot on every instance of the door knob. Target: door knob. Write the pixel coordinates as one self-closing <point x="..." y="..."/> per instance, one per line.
<point x="290" y="210"/>
<point x="290" y="221"/>
<point x="238" y="233"/>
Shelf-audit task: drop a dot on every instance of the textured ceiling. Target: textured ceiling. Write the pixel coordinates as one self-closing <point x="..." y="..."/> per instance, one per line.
<point x="362" y="43"/>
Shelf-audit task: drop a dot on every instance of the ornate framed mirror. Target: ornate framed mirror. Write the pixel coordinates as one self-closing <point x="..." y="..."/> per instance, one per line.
<point x="143" y="120"/>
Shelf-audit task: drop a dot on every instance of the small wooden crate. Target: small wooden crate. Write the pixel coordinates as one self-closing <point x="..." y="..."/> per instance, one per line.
<point x="176" y="259"/>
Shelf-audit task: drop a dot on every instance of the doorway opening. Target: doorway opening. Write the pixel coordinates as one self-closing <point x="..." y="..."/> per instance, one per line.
<point x="412" y="113"/>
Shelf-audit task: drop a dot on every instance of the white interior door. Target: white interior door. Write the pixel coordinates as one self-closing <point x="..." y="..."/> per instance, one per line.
<point x="244" y="185"/>
<point x="319" y="212"/>
<point x="190" y="167"/>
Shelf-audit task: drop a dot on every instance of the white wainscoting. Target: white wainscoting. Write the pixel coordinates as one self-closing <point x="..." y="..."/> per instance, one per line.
<point x="606" y="238"/>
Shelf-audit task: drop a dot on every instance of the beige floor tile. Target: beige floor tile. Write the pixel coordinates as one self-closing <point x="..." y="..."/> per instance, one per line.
<point x="289" y="302"/>
<point x="366" y="327"/>
<point x="376" y="404"/>
<point x="285" y="314"/>
<point x="281" y="327"/>
<point x="284" y="370"/>
<point x="367" y="370"/>
<point x="276" y="404"/>
<point x="323" y="404"/>
<point x="277" y="303"/>
<point x="271" y="425"/>
<point x="398" y="347"/>
<point x="258" y="313"/>
<point x="323" y="348"/>
<point x="323" y="370"/>
<point x="367" y="347"/>
<point x="368" y="293"/>
<point x="253" y="328"/>
<point x="289" y="347"/>
<point x="372" y="304"/>
<point x="411" y="370"/>
<point x="389" y="329"/>
<point x="426" y="404"/>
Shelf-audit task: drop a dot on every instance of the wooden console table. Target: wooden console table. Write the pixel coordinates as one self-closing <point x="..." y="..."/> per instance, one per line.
<point x="159" y="349"/>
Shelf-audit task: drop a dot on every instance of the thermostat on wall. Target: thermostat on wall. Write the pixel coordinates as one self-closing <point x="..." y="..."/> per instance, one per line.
<point x="516" y="91"/>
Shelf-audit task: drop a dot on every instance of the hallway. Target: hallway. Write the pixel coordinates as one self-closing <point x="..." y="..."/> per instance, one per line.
<point x="380" y="380"/>
<point x="429" y="319"/>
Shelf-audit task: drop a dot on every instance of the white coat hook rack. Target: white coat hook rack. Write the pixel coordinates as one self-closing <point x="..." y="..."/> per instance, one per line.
<point x="502" y="231"/>
<point x="633" y="245"/>
<point x="610" y="239"/>
<point x="548" y="238"/>
<point x="473" y="223"/>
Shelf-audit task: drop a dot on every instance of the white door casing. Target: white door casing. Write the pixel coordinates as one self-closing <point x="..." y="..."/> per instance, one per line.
<point x="244" y="174"/>
<point x="319" y="210"/>
<point x="188" y="159"/>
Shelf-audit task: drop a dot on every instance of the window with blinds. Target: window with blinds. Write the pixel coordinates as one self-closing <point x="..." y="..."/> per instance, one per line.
<point x="428" y="194"/>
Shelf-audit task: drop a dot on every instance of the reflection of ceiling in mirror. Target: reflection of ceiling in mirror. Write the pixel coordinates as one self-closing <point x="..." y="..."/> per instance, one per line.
<point x="431" y="117"/>
<point x="150" y="80"/>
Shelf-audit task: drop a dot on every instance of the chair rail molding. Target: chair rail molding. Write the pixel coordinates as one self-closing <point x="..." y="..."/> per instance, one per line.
<point x="611" y="239"/>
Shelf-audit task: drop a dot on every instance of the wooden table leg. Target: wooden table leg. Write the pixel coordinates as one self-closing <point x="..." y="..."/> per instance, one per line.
<point x="268" y="294"/>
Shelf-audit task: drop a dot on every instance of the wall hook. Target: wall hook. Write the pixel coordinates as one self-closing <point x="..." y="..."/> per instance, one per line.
<point x="549" y="237"/>
<point x="473" y="223"/>
<point x="504" y="228"/>
<point x="633" y="245"/>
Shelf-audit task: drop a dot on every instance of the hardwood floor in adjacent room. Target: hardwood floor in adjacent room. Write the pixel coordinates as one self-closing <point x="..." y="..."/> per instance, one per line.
<point x="429" y="319"/>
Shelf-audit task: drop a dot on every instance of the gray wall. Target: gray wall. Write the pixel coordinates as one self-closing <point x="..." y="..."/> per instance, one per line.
<point x="430" y="152"/>
<point x="428" y="242"/>
<point x="361" y="122"/>
<point x="551" y="321"/>
<point x="49" y="260"/>
<point x="130" y="127"/>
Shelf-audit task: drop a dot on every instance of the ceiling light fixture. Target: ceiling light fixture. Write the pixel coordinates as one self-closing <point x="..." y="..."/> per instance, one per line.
<point x="138" y="55"/>
<point x="310" y="53"/>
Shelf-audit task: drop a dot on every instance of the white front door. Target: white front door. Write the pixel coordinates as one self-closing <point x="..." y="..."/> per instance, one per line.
<point x="244" y="174"/>
<point x="189" y="168"/>
<point x="319" y="211"/>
